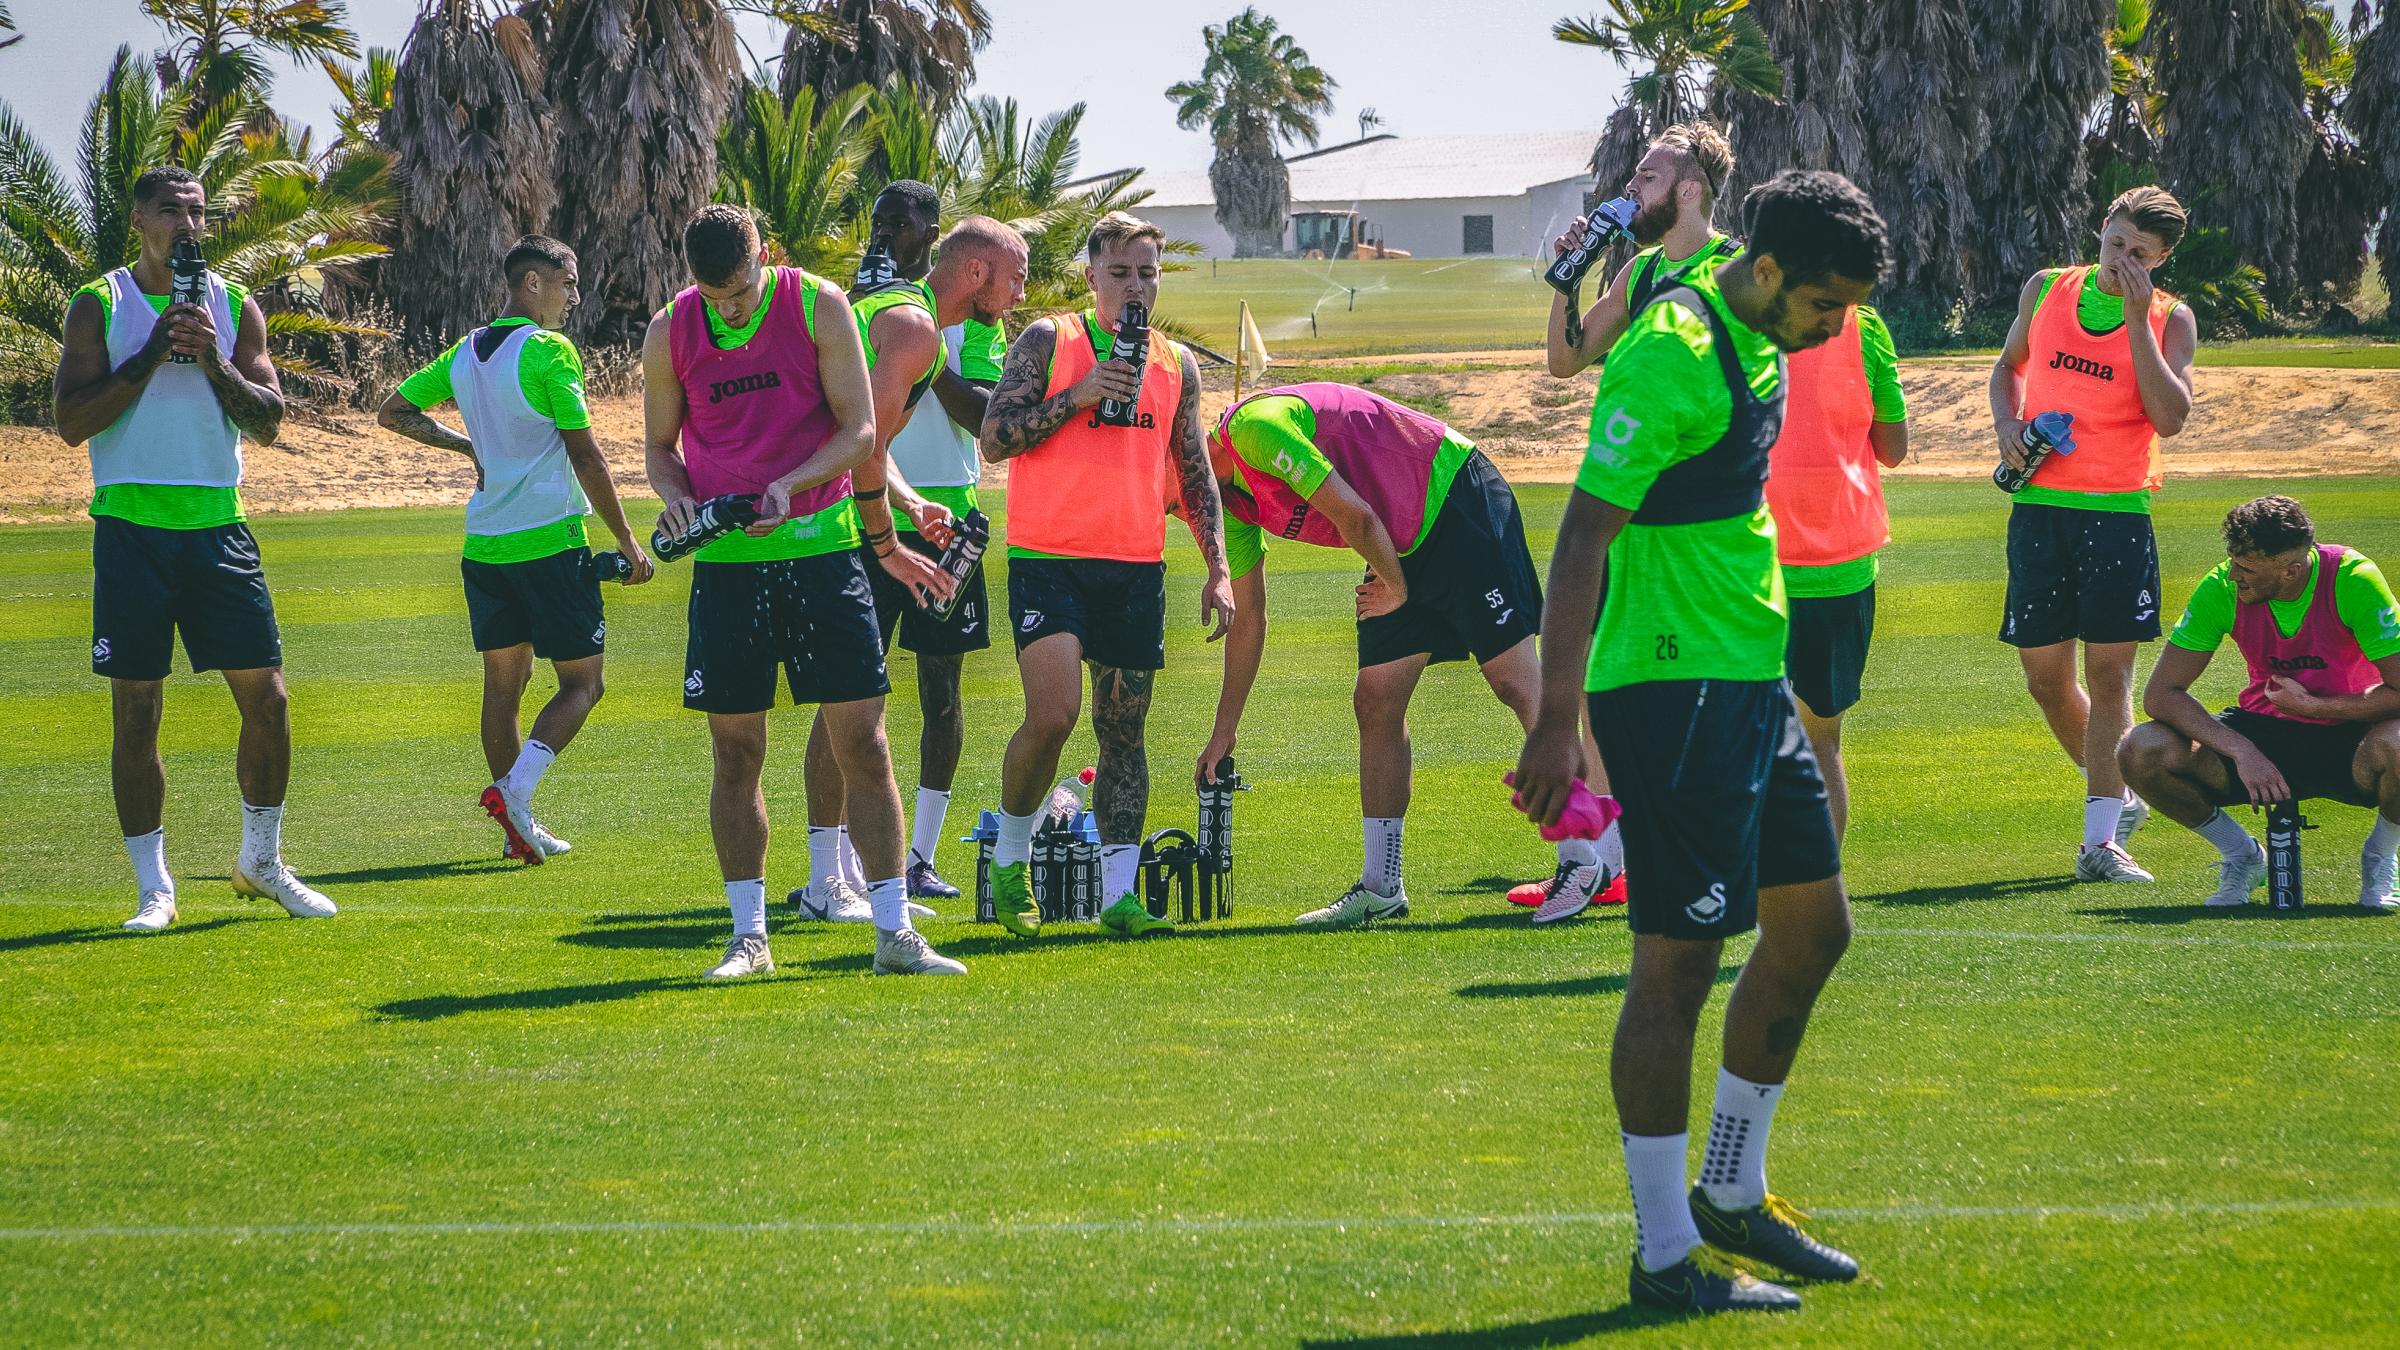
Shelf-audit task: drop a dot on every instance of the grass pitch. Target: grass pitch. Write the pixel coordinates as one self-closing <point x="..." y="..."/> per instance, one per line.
<point x="491" y="1104"/>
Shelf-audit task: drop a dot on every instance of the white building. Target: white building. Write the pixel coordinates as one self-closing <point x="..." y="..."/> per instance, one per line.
<point x="1432" y="196"/>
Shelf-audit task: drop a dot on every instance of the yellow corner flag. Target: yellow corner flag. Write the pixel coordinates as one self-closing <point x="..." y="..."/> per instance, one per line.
<point x="1251" y="359"/>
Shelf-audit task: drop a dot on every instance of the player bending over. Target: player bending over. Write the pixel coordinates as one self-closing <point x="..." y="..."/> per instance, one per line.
<point x="2317" y="626"/>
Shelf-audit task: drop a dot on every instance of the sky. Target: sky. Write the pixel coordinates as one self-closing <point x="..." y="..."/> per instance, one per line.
<point x="1410" y="60"/>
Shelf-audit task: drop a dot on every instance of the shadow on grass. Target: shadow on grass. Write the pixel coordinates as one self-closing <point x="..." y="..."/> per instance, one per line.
<point x="437" y="1006"/>
<point x="2011" y="888"/>
<point x="111" y="933"/>
<point x="662" y="916"/>
<point x="432" y="871"/>
<point x="2157" y="914"/>
<point x="1484" y="885"/>
<point x="1575" y="988"/>
<point x="1547" y="1331"/>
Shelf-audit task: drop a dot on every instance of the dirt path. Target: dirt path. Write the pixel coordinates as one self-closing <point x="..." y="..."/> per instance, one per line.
<point x="2266" y="422"/>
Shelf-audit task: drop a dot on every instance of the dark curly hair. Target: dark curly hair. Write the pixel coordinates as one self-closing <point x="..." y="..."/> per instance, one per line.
<point x="721" y="238"/>
<point x="922" y="200"/>
<point x="2268" y="527"/>
<point x="1817" y="225"/>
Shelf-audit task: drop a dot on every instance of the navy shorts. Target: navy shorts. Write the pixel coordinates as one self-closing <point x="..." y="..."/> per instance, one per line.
<point x="2316" y="760"/>
<point x="552" y="603"/>
<point x="1117" y="610"/>
<point x="1721" y="797"/>
<point x="2074" y="573"/>
<point x="1472" y="589"/>
<point x="968" y="629"/>
<point x="149" y="584"/>
<point x="1825" y="655"/>
<point x="811" y="618"/>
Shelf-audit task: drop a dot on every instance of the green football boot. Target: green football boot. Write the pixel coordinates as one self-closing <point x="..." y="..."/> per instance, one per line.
<point x="1705" y="1282"/>
<point x="1771" y="1233"/>
<point x="1012" y="899"/>
<point x="1128" y="918"/>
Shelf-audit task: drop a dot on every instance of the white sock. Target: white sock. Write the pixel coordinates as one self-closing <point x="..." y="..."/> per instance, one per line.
<point x="932" y="808"/>
<point x="1611" y="848"/>
<point x="149" y="854"/>
<point x="748" y="900"/>
<point x="2100" y="820"/>
<point x="1662" y="1208"/>
<point x="525" y="775"/>
<point x="889" y="899"/>
<point x="1120" y="865"/>
<point x="2228" y="835"/>
<point x="1581" y="852"/>
<point x="2384" y="840"/>
<point x="262" y="833"/>
<point x="1380" y="872"/>
<point x="853" y="871"/>
<point x="1015" y="844"/>
<point x="824" y="854"/>
<point x="1733" y="1169"/>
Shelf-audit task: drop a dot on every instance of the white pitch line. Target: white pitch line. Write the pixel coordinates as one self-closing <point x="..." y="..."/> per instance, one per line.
<point x="2120" y="1213"/>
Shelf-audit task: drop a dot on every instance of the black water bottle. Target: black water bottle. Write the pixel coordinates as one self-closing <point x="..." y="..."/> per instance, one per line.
<point x="717" y="517"/>
<point x="190" y="270"/>
<point x="1216" y="841"/>
<point x="2284" y="824"/>
<point x="970" y="535"/>
<point x="876" y="269"/>
<point x="612" y="566"/>
<point x="1608" y="220"/>
<point x="1132" y="347"/>
<point x="2052" y="433"/>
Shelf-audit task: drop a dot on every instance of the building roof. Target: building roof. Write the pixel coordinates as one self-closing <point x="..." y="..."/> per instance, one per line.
<point x="1403" y="168"/>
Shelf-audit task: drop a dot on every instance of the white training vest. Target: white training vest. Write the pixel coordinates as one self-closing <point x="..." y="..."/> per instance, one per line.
<point x="932" y="450"/>
<point x="175" y="433"/>
<point x="527" y="479"/>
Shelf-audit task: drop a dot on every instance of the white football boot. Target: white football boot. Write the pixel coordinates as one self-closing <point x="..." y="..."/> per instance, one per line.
<point x="2237" y="877"/>
<point x="272" y="880"/>
<point x="2134" y="814"/>
<point x="833" y="900"/>
<point x="2378" y="880"/>
<point x="747" y="954"/>
<point x="550" y="844"/>
<point x="156" y="912"/>
<point x="906" y="952"/>
<point x="2107" y="862"/>
<point x="1357" y="908"/>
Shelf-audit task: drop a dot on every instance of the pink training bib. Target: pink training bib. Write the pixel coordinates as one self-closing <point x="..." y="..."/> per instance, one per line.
<point x="1383" y="450"/>
<point x="2323" y="657"/>
<point x="756" y="412"/>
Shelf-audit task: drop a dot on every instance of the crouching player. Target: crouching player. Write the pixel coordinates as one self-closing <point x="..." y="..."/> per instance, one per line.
<point x="2319" y="718"/>
<point x="1450" y="579"/>
<point x="531" y="590"/>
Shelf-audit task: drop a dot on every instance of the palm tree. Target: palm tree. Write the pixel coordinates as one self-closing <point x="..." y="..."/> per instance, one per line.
<point x="2045" y="64"/>
<point x="1680" y="45"/>
<point x="366" y="92"/>
<point x="641" y="88"/>
<point x="8" y="24"/>
<point x="2373" y="112"/>
<point x="222" y="49"/>
<point x="1257" y="88"/>
<point x="1920" y="164"/>
<point x="2335" y="200"/>
<point x="2236" y="129"/>
<point x="795" y="162"/>
<point x="1815" y="119"/>
<point x="928" y="45"/>
<point x="280" y="218"/>
<point x="1025" y="176"/>
<point x="475" y="144"/>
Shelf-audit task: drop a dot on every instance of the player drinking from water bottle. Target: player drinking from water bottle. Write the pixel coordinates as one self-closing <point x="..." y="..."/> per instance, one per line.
<point x="1675" y="187"/>
<point x="905" y="328"/>
<point x="531" y="590"/>
<point x="165" y="390"/>
<point x="1725" y="823"/>
<point x="1087" y="565"/>
<point x="2100" y="343"/>
<point x="2320" y="632"/>
<point x="1449" y="579"/>
<point x="754" y="383"/>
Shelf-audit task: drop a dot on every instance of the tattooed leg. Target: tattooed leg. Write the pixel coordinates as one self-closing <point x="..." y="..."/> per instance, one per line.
<point x="1120" y="707"/>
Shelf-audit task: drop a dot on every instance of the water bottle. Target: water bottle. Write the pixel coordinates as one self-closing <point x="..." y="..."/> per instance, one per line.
<point x="1065" y="801"/>
<point x="612" y="566"/>
<point x="985" y="837"/>
<point x="1049" y="859"/>
<point x="2284" y="824"/>
<point x="2052" y="433"/>
<point x="876" y="269"/>
<point x="972" y="534"/>
<point x="190" y="270"/>
<point x="1083" y="866"/>
<point x="717" y="517"/>
<point x="1132" y="347"/>
<point x="1608" y="220"/>
<point x="1216" y="841"/>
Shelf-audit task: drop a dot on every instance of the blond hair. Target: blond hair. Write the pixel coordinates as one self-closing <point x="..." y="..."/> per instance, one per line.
<point x="1705" y="147"/>
<point x="1119" y="228"/>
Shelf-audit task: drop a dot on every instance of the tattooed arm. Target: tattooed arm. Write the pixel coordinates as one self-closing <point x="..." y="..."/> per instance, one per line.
<point x="1018" y="417"/>
<point x="1203" y="509"/>
<point x="245" y="385"/>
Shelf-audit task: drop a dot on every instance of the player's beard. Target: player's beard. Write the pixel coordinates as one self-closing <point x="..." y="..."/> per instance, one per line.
<point x="1652" y="221"/>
